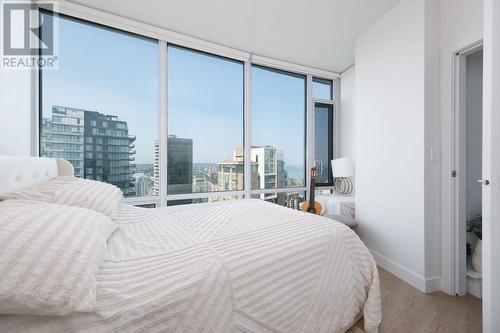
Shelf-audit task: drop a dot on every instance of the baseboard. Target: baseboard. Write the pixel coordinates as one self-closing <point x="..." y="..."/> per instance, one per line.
<point x="433" y="284"/>
<point x="424" y="285"/>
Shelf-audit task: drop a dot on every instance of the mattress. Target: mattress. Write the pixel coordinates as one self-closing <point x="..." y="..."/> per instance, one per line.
<point x="235" y="266"/>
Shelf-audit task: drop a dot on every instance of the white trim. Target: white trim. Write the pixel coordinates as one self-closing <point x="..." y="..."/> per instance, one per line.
<point x="491" y="168"/>
<point x="337" y="86"/>
<point x="323" y="101"/>
<point x="335" y="120"/>
<point x="433" y="284"/>
<point x="291" y="67"/>
<point x="35" y="102"/>
<point x="424" y="285"/>
<point x="35" y="112"/>
<point x="319" y="188"/>
<point x="447" y="104"/>
<point x="459" y="163"/>
<point x="281" y="190"/>
<point x="148" y="30"/>
<point x="187" y="196"/>
<point x="347" y="71"/>
<point x="335" y="145"/>
<point x="247" y="130"/>
<point x="162" y="121"/>
<point x="309" y="133"/>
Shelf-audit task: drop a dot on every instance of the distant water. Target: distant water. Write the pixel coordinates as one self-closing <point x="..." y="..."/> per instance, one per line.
<point x="295" y="171"/>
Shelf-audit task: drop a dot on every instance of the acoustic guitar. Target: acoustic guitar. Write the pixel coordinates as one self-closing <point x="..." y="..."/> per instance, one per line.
<point x="311" y="206"/>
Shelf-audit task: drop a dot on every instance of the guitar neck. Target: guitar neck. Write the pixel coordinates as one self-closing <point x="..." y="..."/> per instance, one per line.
<point x="312" y="190"/>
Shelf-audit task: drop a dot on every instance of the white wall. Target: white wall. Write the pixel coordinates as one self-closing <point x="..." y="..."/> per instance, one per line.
<point x="461" y="24"/>
<point x="432" y="144"/>
<point x="491" y="168"/>
<point x="390" y="79"/>
<point x="403" y="96"/>
<point x="15" y="106"/>
<point x="347" y="114"/>
<point x="15" y="114"/>
<point x="461" y="20"/>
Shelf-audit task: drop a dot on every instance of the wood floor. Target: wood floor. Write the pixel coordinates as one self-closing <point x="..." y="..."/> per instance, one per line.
<point x="405" y="309"/>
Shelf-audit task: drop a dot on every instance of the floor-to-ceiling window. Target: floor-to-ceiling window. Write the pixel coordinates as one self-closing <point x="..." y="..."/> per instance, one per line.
<point x="278" y="133"/>
<point x="205" y="122"/>
<point x="174" y="125"/>
<point x="99" y="108"/>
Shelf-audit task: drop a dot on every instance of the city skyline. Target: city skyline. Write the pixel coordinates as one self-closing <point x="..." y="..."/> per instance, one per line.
<point x="90" y="78"/>
<point x="207" y="96"/>
<point x="98" y="146"/>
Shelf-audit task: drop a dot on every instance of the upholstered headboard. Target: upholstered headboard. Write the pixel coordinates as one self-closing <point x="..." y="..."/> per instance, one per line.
<point x="18" y="172"/>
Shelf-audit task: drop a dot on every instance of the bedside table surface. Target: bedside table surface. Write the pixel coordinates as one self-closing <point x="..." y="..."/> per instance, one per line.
<point x="336" y="205"/>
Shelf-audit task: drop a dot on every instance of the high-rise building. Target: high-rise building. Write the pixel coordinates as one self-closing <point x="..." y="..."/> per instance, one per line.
<point x="62" y="136"/>
<point x="180" y="165"/>
<point x="201" y="183"/>
<point x="156" y="169"/>
<point x="141" y="184"/>
<point x="281" y="171"/>
<point x="109" y="151"/>
<point x="97" y="145"/>
<point x="231" y="173"/>
<point x="267" y="172"/>
<point x="230" y="176"/>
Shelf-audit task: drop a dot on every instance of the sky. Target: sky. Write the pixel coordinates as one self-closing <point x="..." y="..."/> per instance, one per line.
<point x="108" y="72"/>
<point x="117" y="74"/>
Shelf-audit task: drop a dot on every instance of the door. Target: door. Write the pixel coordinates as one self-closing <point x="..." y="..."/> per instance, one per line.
<point x="323" y="143"/>
<point x="491" y="168"/>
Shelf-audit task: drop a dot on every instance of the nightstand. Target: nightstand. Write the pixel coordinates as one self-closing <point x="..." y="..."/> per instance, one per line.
<point x="338" y="207"/>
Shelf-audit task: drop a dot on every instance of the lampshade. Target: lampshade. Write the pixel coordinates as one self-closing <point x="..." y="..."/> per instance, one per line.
<point x="343" y="167"/>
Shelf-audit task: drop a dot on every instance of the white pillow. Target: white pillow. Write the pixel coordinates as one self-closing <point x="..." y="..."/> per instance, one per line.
<point x="101" y="197"/>
<point x="49" y="257"/>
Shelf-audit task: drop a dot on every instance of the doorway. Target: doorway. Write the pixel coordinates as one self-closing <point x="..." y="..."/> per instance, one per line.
<point x="468" y="144"/>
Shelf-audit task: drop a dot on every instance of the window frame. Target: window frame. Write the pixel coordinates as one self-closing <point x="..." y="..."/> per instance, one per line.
<point x="38" y="78"/>
<point x="335" y="126"/>
<point x="306" y="173"/>
<point x="324" y="81"/>
<point x="164" y="37"/>
<point x="331" y="135"/>
<point x="201" y="195"/>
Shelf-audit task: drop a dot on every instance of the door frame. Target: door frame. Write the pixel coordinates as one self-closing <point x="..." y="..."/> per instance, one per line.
<point x="491" y="168"/>
<point x="332" y="140"/>
<point x="455" y="234"/>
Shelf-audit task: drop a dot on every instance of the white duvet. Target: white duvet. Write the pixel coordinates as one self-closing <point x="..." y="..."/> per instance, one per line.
<point x="237" y="266"/>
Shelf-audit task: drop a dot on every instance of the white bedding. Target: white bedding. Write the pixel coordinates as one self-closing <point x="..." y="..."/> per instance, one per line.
<point x="49" y="257"/>
<point x="237" y="266"/>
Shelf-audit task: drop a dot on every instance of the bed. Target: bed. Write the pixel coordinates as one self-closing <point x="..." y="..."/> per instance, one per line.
<point x="234" y="266"/>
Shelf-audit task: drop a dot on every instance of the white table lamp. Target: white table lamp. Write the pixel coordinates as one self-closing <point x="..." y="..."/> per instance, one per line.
<point x="343" y="169"/>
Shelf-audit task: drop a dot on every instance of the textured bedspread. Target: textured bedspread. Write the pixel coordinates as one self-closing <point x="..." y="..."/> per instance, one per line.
<point x="237" y="266"/>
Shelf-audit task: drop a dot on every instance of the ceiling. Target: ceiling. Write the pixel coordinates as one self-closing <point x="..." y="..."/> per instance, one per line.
<point x="315" y="33"/>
